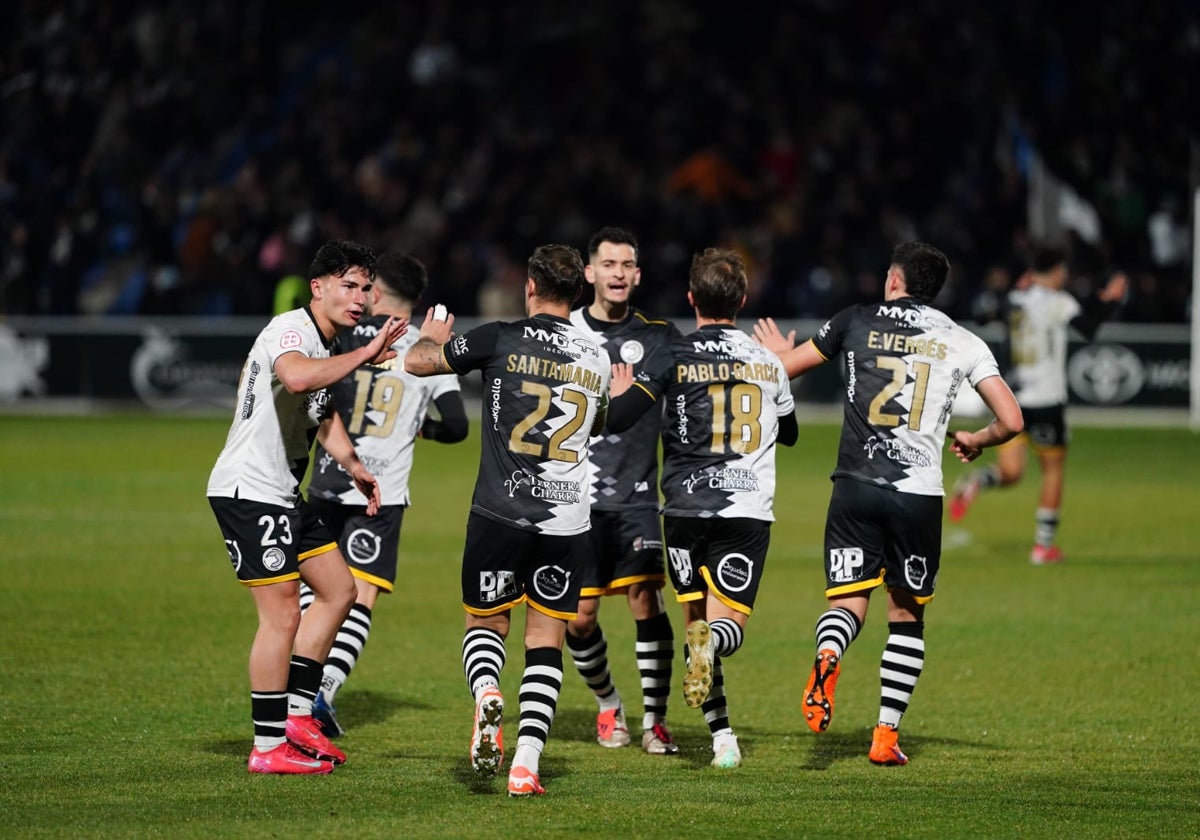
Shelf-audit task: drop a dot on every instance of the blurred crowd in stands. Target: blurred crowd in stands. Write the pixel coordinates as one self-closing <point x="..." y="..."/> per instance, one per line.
<point x="182" y="158"/>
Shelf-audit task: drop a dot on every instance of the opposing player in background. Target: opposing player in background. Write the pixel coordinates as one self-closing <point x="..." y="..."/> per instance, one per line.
<point x="904" y="363"/>
<point x="1039" y="315"/>
<point x="626" y="537"/>
<point x="545" y="384"/>
<point x="728" y="402"/>
<point x="273" y="537"/>
<point x="384" y="410"/>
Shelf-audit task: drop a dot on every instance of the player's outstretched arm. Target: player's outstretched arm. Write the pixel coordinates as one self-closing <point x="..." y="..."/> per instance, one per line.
<point x="301" y="374"/>
<point x="796" y="360"/>
<point x="332" y="435"/>
<point x="768" y="334"/>
<point x="627" y="400"/>
<point x="1009" y="422"/>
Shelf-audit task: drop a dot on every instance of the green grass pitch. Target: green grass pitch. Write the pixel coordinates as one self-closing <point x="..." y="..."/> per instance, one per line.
<point x="1055" y="702"/>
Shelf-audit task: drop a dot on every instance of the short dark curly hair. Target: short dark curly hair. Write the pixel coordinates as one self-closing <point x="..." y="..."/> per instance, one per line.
<point x="925" y="269"/>
<point x="338" y="256"/>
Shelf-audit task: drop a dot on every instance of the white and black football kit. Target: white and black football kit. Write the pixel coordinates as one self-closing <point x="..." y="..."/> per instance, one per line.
<point x="904" y="363"/>
<point x="1039" y="319"/>
<point x="626" y="534"/>
<point x="254" y="487"/>
<point x="725" y="399"/>
<point x="383" y="409"/>
<point x="543" y="382"/>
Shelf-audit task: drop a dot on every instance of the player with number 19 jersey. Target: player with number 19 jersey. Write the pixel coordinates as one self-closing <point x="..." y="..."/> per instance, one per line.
<point x="382" y="408"/>
<point x="543" y="382"/>
<point x="905" y="362"/>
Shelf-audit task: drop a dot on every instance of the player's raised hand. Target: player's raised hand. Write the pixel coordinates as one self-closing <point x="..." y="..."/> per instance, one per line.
<point x="1115" y="289"/>
<point x="381" y="345"/>
<point x="767" y="333"/>
<point x="622" y="380"/>
<point x="438" y="325"/>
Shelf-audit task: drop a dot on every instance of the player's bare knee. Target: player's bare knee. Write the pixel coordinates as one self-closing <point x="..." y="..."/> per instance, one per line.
<point x="583" y="625"/>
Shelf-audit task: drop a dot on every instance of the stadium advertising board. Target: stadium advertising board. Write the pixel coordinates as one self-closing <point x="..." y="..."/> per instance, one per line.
<point x="188" y="364"/>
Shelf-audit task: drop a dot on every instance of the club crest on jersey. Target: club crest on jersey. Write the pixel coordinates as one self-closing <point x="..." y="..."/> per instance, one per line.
<point x="290" y="340"/>
<point x="735" y="571"/>
<point x="494" y="586"/>
<point x="235" y="554"/>
<point x="681" y="564"/>
<point x="273" y="559"/>
<point x="363" y="546"/>
<point x="551" y="582"/>
<point x="632" y="352"/>
<point x="915" y="571"/>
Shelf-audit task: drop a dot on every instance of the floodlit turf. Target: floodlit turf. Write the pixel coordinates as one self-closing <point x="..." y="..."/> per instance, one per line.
<point x="1056" y="701"/>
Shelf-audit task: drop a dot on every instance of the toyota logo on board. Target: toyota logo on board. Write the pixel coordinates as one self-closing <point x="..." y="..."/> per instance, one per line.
<point x="1106" y="373"/>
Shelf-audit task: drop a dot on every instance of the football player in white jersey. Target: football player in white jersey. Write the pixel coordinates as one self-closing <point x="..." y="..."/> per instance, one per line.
<point x="1040" y="313"/>
<point x="272" y="537"/>
<point x="384" y="410"/>
<point x="728" y="402"/>
<point x="545" y="390"/>
<point x="904" y="363"/>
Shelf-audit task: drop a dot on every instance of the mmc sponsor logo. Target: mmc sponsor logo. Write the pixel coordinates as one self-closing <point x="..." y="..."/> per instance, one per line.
<point x="560" y="340"/>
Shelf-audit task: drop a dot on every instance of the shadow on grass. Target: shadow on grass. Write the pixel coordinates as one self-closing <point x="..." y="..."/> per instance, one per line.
<point x="833" y="747"/>
<point x="695" y="750"/>
<point x="577" y="725"/>
<point x="360" y="708"/>
<point x="355" y="708"/>
<point x="549" y="770"/>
